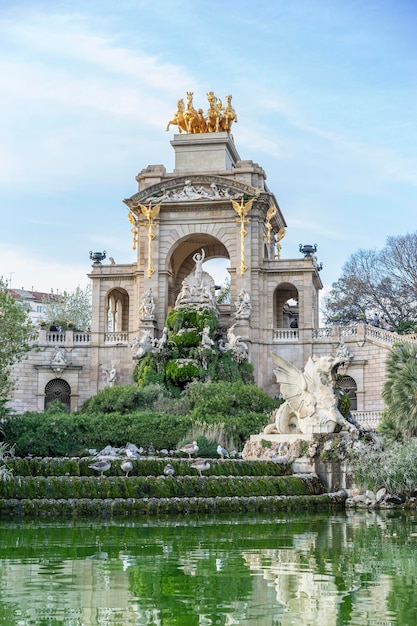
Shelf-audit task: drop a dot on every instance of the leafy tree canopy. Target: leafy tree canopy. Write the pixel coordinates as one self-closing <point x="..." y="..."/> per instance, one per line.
<point x="70" y="309"/>
<point x="15" y="331"/>
<point x="382" y="281"/>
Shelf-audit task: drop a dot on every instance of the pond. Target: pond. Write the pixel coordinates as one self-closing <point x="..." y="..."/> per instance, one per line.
<point x="356" y="568"/>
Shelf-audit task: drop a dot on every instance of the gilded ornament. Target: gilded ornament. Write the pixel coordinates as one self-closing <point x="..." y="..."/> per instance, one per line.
<point x="150" y="212"/>
<point x="242" y="210"/>
<point x="218" y="118"/>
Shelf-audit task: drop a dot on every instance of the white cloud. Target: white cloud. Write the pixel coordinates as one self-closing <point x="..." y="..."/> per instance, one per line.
<point x="26" y="271"/>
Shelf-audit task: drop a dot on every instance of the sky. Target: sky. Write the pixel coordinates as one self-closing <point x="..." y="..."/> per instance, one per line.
<point x="325" y="94"/>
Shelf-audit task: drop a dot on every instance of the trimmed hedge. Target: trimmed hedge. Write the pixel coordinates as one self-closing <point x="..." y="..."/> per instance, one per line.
<point x="62" y="434"/>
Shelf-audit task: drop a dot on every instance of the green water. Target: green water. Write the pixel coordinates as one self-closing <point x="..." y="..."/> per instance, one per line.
<point x="349" y="568"/>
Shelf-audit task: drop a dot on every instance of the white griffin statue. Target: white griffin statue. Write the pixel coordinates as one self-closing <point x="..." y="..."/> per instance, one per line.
<point x="310" y="402"/>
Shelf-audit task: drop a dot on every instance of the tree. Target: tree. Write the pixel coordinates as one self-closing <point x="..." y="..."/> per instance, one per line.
<point x="400" y="390"/>
<point x="15" y="331"/>
<point x="382" y="281"/>
<point x="70" y="309"/>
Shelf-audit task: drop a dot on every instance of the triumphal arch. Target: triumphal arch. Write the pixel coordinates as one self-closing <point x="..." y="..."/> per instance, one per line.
<point x="216" y="205"/>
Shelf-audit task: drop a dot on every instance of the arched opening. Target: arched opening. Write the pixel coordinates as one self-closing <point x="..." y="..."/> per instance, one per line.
<point x="117" y="310"/>
<point x="349" y="386"/>
<point x="58" y="389"/>
<point x="286" y="306"/>
<point x="181" y="263"/>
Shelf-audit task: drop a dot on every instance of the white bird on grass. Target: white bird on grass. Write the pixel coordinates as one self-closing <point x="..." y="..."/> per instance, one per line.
<point x="101" y="466"/>
<point x="201" y="466"/>
<point x="190" y="448"/>
<point x="126" y="466"/>
<point x="169" y="470"/>
<point x="222" y="451"/>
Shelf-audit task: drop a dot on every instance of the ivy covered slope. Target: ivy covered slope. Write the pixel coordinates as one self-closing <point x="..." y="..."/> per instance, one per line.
<point x="187" y="356"/>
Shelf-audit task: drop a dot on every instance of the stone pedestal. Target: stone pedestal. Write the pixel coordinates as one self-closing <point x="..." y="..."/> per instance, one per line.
<point x="204" y="152"/>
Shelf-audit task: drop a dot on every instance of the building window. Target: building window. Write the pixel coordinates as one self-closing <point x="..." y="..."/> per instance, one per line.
<point x="58" y="389"/>
<point x="350" y="388"/>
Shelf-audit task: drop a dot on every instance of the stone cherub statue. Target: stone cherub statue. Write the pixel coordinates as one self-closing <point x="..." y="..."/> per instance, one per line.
<point x="310" y="401"/>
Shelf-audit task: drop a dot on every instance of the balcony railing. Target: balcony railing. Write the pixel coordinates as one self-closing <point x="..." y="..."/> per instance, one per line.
<point x="67" y="337"/>
<point x="121" y="337"/>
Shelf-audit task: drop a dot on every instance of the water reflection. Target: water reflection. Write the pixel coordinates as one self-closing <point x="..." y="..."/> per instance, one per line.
<point x="354" y="568"/>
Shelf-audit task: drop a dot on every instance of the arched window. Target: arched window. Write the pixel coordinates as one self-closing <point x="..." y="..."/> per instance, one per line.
<point x="350" y="388"/>
<point x="58" y="389"/>
<point x="286" y="306"/>
<point x="117" y="310"/>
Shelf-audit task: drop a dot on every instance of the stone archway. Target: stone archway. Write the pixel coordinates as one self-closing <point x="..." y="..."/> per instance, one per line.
<point x="181" y="261"/>
<point x="286" y="305"/>
<point x="58" y="389"/>
<point x="117" y="310"/>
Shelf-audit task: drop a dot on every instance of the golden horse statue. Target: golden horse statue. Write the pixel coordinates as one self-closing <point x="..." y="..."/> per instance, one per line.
<point x="178" y="119"/>
<point x="191" y="116"/>
<point x="229" y="115"/>
<point x="214" y="113"/>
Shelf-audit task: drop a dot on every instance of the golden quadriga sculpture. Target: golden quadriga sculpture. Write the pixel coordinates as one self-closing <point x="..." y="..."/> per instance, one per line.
<point x="218" y="118"/>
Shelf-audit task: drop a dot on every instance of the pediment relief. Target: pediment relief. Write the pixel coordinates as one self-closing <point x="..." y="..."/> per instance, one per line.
<point x="201" y="188"/>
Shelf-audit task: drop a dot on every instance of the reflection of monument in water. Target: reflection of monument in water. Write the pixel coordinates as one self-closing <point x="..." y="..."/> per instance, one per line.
<point x="215" y="205"/>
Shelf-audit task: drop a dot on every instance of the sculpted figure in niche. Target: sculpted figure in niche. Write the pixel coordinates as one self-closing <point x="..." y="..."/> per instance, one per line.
<point x="111" y="375"/>
<point x="243" y="305"/>
<point x="198" y="288"/>
<point x="310" y="401"/>
<point x="148" y="306"/>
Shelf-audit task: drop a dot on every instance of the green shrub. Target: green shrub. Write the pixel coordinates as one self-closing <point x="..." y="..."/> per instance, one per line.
<point x="60" y="434"/>
<point x="123" y="399"/>
<point x="181" y="371"/>
<point x="220" y="401"/>
<point x="394" y="468"/>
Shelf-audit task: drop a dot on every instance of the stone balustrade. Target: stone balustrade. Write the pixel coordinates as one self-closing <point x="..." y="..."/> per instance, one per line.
<point x="64" y="338"/>
<point x="121" y="337"/>
<point x="285" y="334"/>
<point x="368" y="419"/>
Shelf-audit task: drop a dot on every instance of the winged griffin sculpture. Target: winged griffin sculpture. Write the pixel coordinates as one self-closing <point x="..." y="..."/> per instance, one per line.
<point x="310" y="402"/>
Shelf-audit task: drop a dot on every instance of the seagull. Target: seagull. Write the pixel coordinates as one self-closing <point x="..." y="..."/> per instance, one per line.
<point x="190" y="448"/>
<point x="222" y="451"/>
<point x="126" y="466"/>
<point x="131" y="454"/>
<point x="169" y="470"/>
<point x="201" y="466"/>
<point x="101" y="466"/>
<point x="132" y="451"/>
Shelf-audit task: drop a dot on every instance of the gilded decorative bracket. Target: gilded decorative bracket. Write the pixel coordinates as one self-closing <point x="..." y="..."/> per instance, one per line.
<point x="150" y="213"/>
<point x="135" y="227"/>
<point x="280" y="234"/>
<point x="242" y="210"/>
<point x="272" y="211"/>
